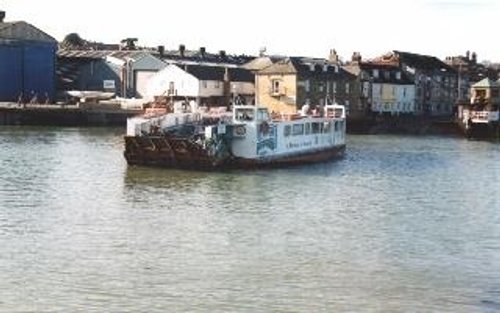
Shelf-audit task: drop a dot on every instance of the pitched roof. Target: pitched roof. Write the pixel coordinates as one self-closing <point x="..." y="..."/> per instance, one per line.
<point x="387" y="73"/>
<point x="196" y="56"/>
<point x="241" y="75"/>
<point x="486" y="83"/>
<point x="205" y="72"/>
<point x="24" y="31"/>
<point x="91" y="54"/>
<point x="285" y="66"/>
<point x="425" y="62"/>
<point x="306" y="67"/>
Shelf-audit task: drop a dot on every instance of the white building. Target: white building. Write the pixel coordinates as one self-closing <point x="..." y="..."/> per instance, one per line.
<point x="208" y="85"/>
<point x="392" y="91"/>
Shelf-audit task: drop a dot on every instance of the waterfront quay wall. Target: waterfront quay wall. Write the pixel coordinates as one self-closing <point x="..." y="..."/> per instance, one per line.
<point x="62" y="115"/>
<point x="403" y="124"/>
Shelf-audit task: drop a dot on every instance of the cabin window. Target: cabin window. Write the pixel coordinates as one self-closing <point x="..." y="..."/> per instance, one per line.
<point x="308" y="128"/>
<point x="327" y="127"/>
<point x="298" y="129"/>
<point x="315" y="129"/>
<point x="262" y="115"/>
<point x="287" y="130"/>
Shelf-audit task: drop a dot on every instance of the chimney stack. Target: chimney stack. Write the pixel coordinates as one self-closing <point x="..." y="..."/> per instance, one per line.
<point x="182" y="50"/>
<point x="2" y="16"/>
<point x="203" y="51"/>
<point x="161" y="51"/>
<point x="222" y="54"/>
<point x="262" y="51"/>
<point x="333" y="57"/>
<point x="467" y="55"/>
<point x="356" y="57"/>
<point x="474" y="58"/>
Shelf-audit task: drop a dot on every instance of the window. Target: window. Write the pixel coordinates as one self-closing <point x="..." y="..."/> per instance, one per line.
<point x="287" y="130"/>
<point x="347" y="87"/>
<point x="334" y="87"/>
<point x="375" y="73"/>
<point x="276" y="86"/>
<point x="308" y="85"/>
<point x="387" y="75"/>
<point x="327" y="127"/>
<point x="245" y="114"/>
<point x="315" y="128"/>
<point x="308" y="129"/>
<point x="298" y="129"/>
<point x="171" y="88"/>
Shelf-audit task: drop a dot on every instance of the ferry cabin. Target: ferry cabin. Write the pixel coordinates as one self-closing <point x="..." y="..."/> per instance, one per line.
<point x="258" y="136"/>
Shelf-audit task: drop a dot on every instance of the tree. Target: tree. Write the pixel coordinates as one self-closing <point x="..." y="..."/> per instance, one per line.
<point x="73" y="41"/>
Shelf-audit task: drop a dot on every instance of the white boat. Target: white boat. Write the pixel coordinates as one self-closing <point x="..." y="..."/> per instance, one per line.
<point x="247" y="137"/>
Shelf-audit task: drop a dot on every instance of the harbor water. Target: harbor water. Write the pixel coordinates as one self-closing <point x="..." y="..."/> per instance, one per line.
<point x="400" y="224"/>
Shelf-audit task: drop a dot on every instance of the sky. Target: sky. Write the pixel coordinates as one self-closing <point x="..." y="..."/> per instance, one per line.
<point x="300" y="28"/>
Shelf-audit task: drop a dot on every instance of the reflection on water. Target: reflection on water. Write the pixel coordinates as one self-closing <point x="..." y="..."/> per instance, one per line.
<point x="399" y="224"/>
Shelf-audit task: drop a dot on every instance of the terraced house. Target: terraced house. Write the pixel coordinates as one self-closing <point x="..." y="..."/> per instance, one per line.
<point x="386" y="88"/>
<point x="436" y="83"/>
<point x="293" y="82"/>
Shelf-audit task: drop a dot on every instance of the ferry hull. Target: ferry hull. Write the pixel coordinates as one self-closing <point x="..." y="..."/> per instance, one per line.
<point x="161" y="151"/>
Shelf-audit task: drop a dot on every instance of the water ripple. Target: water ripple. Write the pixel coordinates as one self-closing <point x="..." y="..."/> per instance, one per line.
<point x="399" y="224"/>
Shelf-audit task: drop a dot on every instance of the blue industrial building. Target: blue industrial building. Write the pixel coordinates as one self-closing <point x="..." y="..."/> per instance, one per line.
<point x="27" y="62"/>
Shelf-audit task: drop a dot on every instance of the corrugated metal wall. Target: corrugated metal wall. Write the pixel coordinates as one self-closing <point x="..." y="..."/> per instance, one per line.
<point x="11" y="71"/>
<point x="94" y="73"/>
<point x="39" y="70"/>
<point x="27" y="68"/>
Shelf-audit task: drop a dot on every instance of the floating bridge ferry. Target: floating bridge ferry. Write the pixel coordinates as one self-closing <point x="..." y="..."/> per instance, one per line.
<point x="247" y="137"/>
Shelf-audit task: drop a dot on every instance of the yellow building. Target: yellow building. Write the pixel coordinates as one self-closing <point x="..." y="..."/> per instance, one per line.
<point x="287" y="85"/>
